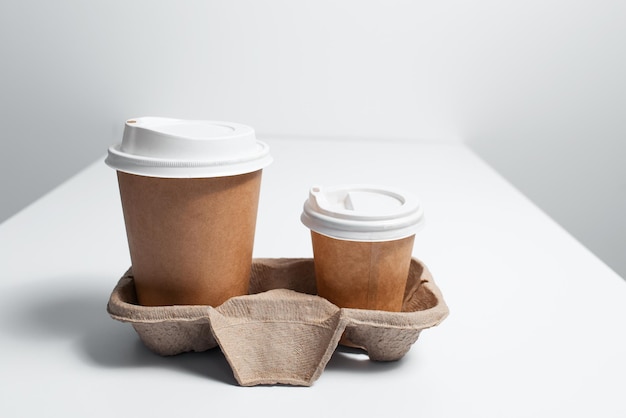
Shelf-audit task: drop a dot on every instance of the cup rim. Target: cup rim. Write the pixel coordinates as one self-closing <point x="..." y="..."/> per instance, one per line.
<point x="179" y="148"/>
<point x="342" y="224"/>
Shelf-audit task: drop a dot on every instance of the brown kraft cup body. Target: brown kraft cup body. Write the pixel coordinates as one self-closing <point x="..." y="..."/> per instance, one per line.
<point x="190" y="239"/>
<point x="360" y="274"/>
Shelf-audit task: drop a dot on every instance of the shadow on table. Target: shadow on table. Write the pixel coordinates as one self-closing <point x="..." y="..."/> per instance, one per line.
<point x="60" y="310"/>
<point x="357" y="360"/>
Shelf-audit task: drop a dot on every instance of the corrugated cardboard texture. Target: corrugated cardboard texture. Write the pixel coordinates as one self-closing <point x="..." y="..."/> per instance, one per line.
<point x="362" y="275"/>
<point x="191" y="239"/>
<point x="282" y="336"/>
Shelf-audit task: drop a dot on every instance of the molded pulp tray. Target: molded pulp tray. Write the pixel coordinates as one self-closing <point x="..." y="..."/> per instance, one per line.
<point x="282" y="332"/>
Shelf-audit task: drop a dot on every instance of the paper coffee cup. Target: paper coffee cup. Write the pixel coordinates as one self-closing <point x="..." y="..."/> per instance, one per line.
<point x="189" y="192"/>
<point x="362" y="240"/>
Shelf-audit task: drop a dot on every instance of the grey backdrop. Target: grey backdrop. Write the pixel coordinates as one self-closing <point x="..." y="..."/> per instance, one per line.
<point x="536" y="88"/>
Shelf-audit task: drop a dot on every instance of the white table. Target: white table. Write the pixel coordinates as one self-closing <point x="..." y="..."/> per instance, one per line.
<point x="537" y="324"/>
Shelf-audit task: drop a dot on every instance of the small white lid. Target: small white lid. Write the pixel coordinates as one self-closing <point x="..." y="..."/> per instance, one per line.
<point x="165" y="147"/>
<point x="362" y="213"/>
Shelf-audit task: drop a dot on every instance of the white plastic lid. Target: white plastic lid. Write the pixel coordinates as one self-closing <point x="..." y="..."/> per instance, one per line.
<point x="165" y="147"/>
<point x="362" y="213"/>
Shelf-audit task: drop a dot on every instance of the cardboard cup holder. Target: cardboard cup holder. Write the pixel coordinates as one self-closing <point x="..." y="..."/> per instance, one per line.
<point x="282" y="332"/>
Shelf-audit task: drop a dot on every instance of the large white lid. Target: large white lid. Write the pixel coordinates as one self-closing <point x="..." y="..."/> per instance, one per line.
<point x="362" y="213"/>
<point x="165" y="147"/>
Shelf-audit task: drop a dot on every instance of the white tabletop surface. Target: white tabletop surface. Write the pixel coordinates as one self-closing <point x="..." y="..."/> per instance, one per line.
<point x="537" y="323"/>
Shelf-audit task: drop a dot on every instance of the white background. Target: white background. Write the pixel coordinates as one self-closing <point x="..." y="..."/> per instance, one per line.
<point x="536" y="88"/>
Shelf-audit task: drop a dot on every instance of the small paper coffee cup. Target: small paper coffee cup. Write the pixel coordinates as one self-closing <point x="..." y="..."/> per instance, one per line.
<point x="362" y="239"/>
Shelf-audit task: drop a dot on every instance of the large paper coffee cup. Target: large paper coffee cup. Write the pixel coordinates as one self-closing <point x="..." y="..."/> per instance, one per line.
<point x="362" y="240"/>
<point x="189" y="192"/>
